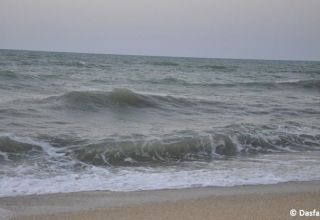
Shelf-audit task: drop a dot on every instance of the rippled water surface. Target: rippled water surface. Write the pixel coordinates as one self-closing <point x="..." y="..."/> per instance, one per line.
<point x="72" y="122"/>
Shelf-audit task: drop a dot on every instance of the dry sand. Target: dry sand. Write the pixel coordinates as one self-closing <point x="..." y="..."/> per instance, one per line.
<point x="241" y="202"/>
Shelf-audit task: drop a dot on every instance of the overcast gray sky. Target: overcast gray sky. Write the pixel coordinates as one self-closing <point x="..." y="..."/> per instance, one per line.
<point x="263" y="29"/>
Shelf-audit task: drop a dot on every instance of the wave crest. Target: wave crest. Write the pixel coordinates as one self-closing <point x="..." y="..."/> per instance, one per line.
<point x="116" y="98"/>
<point x="9" y="145"/>
<point x="289" y="84"/>
<point x="236" y="140"/>
<point x="195" y="147"/>
<point x="17" y="147"/>
<point x="307" y="84"/>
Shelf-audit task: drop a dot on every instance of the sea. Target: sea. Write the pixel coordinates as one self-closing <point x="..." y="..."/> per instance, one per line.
<point x="80" y="122"/>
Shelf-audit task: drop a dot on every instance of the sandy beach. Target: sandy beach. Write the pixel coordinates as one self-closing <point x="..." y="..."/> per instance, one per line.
<point x="240" y="202"/>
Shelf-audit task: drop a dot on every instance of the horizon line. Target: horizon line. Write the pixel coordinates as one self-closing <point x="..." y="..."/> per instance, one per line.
<point x="163" y="56"/>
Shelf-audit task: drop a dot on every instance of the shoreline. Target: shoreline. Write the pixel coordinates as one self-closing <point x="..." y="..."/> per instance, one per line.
<point x="267" y="201"/>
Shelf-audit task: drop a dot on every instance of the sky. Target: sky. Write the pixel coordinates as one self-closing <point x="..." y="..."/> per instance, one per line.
<point x="259" y="29"/>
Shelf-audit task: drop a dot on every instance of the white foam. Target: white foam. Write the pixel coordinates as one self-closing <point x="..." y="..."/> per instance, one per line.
<point x="289" y="81"/>
<point x="281" y="168"/>
<point x="4" y="155"/>
<point x="46" y="147"/>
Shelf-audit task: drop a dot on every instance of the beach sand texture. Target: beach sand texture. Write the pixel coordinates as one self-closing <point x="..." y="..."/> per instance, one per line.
<point x="244" y="202"/>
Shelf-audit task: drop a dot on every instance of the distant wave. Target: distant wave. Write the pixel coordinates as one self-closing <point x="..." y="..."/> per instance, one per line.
<point x="169" y="81"/>
<point x="307" y="84"/>
<point x="116" y="98"/>
<point x="223" y="68"/>
<point x="163" y="63"/>
<point x="78" y="64"/>
<point x="210" y="67"/>
<point x="303" y="84"/>
<point x="125" y="98"/>
<point x="70" y="63"/>
<point x="309" y="70"/>
<point x="7" y="74"/>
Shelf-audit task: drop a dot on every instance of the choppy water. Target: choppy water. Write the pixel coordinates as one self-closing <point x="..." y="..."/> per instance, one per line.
<point x="72" y="122"/>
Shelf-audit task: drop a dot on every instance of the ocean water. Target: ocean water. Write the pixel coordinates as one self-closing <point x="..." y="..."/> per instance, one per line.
<point x="75" y="122"/>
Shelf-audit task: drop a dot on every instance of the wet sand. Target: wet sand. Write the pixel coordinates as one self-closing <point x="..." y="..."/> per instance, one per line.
<point x="240" y="202"/>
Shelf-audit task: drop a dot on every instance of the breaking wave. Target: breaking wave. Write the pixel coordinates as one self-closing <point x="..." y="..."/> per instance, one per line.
<point x="196" y="147"/>
<point x="232" y="141"/>
<point x="13" y="148"/>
